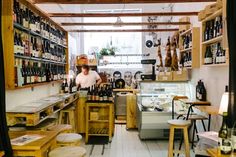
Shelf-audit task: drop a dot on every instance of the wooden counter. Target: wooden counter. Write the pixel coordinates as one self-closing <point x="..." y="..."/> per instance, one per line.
<point x="126" y="90"/>
<point x="214" y="152"/>
<point x="38" y="148"/>
<point x="33" y="113"/>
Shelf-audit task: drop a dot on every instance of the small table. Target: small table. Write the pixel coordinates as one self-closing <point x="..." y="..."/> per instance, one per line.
<point x="38" y="148"/>
<point x="210" y="110"/>
<point x="214" y="152"/>
<point x="198" y="104"/>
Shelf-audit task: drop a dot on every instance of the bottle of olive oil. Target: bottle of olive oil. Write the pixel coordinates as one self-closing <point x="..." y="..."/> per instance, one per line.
<point x="224" y="139"/>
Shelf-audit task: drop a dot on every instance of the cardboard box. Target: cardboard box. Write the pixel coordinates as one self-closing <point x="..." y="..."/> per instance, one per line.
<point x="183" y="28"/>
<point x="94" y="116"/>
<point x="165" y="76"/>
<point x="181" y="75"/>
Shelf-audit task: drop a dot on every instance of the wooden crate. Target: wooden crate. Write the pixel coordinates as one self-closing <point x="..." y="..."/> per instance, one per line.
<point x="181" y="75"/>
<point x="165" y="76"/>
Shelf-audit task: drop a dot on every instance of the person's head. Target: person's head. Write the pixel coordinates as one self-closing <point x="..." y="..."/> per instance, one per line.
<point x="128" y="77"/>
<point x="117" y="75"/>
<point x="85" y="69"/>
<point x="137" y="75"/>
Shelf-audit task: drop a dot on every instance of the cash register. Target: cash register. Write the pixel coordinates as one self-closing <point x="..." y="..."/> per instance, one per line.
<point x="149" y="76"/>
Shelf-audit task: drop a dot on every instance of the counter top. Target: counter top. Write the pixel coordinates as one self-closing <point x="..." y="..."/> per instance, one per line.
<point x="126" y="90"/>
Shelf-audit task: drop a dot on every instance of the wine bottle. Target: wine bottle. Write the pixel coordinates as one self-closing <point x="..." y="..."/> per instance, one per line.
<point x="101" y="94"/>
<point x="19" y="79"/>
<point x="70" y="86"/>
<point x="110" y="95"/>
<point x="198" y="89"/>
<point x="105" y="96"/>
<point x="190" y="40"/>
<point x="206" y="32"/>
<point x="224" y="141"/>
<point x="16" y="44"/>
<point x="74" y="87"/>
<point x="208" y="56"/>
<point x="202" y="91"/>
<point x="28" y="73"/>
<point x="89" y="94"/>
<point x="218" y="54"/>
<point x="96" y="94"/>
<point x="66" y="86"/>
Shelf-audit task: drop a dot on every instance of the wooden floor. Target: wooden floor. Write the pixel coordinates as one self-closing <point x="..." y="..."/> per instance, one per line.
<point x="126" y="143"/>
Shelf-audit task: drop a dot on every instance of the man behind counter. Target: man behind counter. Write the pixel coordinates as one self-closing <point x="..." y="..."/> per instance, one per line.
<point x="87" y="78"/>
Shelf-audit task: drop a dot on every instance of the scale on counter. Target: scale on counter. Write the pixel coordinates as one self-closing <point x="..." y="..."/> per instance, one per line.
<point x="149" y="76"/>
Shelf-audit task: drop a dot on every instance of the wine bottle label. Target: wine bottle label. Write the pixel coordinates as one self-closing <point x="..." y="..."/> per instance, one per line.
<point x="208" y="60"/>
<point x="88" y="97"/>
<point x="223" y="59"/>
<point x="74" y="89"/>
<point x="225" y="145"/>
<point x="66" y="89"/>
<point x="199" y="96"/>
<point x="28" y="79"/>
<point x="97" y="98"/>
<point x="233" y="142"/>
<point x="16" y="47"/>
<point x="101" y="98"/>
<point x="105" y="98"/>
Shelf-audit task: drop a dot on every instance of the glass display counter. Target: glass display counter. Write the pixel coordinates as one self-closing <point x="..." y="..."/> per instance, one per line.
<point x="154" y="107"/>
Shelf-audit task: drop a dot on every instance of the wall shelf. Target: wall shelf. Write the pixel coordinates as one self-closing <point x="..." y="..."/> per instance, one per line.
<point x="214" y="40"/>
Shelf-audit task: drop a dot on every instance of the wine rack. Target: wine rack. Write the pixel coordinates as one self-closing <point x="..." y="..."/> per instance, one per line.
<point x="99" y="120"/>
<point x="35" y="47"/>
<point x="189" y="42"/>
<point x="214" y="47"/>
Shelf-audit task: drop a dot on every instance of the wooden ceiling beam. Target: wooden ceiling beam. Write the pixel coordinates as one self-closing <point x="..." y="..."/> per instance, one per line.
<point x="122" y="14"/>
<point x="125" y="24"/>
<point x="116" y="1"/>
<point x="127" y="30"/>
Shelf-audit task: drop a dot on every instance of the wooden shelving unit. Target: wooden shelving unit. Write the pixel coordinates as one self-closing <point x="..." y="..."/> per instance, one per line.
<point x="99" y="120"/>
<point x="10" y="58"/>
<point x="219" y="39"/>
<point x="194" y="49"/>
<point x="33" y="113"/>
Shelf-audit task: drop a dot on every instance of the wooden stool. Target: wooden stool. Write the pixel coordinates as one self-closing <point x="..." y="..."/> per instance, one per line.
<point x="68" y="116"/>
<point x="178" y="124"/>
<point x="68" y="139"/>
<point x="68" y="151"/>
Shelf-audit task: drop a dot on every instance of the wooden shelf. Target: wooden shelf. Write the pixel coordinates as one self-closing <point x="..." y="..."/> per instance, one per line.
<point x="99" y="121"/>
<point x="38" y="84"/>
<point x="99" y="127"/>
<point x="27" y="30"/>
<point x="215" y="65"/>
<point x="185" y="32"/>
<point x="38" y="59"/>
<point x="212" y="16"/>
<point x="186" y="50"/>
<point x="10" y="59"/>
<point x="214" y="40"/>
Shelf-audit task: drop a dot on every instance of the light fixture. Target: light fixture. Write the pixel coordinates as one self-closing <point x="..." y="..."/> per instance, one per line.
<point x="224" y="101"/>
<point x="118" y="22"/>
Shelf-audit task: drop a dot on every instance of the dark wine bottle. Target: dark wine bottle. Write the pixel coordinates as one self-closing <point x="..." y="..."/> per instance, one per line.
<point x="224" y="140"/>
<point x="66" y="86"/>
<point x="208" y="59"/>
<point x="89" y="94"/>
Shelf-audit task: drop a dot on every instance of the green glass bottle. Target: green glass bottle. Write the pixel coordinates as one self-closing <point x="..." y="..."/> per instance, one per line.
<point x="224" y="140"/>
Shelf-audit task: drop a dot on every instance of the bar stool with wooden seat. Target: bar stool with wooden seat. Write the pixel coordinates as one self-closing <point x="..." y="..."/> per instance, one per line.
<point x="178" y="124"/>
<point x="68" y="151"/>
<point x="68" y="139"/>
<point x="68" y="116"/>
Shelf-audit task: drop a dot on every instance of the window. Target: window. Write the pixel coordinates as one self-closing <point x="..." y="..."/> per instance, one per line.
<point x="128" y="44"/>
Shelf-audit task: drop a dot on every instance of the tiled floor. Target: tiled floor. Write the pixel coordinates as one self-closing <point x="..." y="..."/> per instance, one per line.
<point x="127" y="144"/>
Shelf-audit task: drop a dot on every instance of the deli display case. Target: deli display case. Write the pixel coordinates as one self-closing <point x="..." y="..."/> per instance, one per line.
<point x="154" y="107"/>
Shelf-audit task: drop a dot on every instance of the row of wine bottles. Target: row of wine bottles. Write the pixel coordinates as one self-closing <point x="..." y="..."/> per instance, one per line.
<point x="103" y="93"/>
<point x="214" y="54"/>
<point x="186" y="59"/>
<point x="71" y="88"/>
<point x="29" y="19"/>
<point x="31" y="72"/>
<point x="187" y="41"/>
<point x="33" y="46"/>
<point x="213" y="28"/>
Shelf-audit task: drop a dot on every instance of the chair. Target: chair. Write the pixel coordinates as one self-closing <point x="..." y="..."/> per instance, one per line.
<point x="67" y="116"/>
<point x="68" y="139"/>
<point x="178" y="124"/>
<point x="68" y="151"/>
